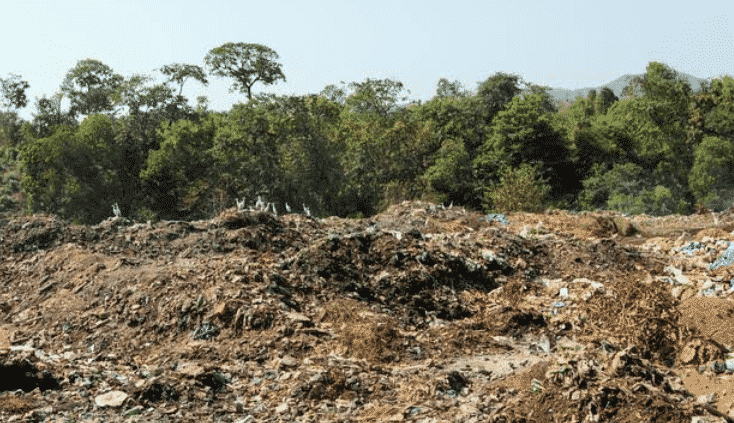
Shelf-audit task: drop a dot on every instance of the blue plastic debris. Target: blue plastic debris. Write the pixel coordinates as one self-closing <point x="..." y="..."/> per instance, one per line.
<point x="691" y="247"/>
<point x="709" y="292"/>
<point x="496" y="216"/>
<point x="727" y="257"/>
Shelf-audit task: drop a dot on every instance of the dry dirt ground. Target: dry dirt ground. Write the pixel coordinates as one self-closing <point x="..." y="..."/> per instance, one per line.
<point x="418" y="314"/>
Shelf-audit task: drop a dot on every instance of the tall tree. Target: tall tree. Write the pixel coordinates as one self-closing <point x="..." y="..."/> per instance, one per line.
<point x="379" y="96"/>
<point x="179" y="73"/>
<point x="450" y="89"/>
<point x="496" y="91"/>
<point x="183" y="159"/>
<point x="548" y="105"/>
<point x="591" y="96"/>
<point x="334" y="93"/>
<point x="160" y="100"/>
<point x="720" y="119"/>
<point x="246" y="63"/>
<point x="90" y="85"/>
<point x="522" y="133"/>
<point x="13" y="92"/>
<point x="49" y="115"/>
<point x="703" y="87"/>
<point x="454" y="121"/>
<point x="604" y="100"/>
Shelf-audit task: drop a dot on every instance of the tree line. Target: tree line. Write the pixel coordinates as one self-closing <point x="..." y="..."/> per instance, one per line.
<point x="353" y="150"/>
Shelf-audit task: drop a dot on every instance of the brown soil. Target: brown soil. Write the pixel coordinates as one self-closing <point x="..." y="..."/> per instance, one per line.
<point x="417" y="314"/>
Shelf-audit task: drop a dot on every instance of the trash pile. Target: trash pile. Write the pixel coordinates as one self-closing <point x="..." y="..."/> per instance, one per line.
<point x="422" y="313"/>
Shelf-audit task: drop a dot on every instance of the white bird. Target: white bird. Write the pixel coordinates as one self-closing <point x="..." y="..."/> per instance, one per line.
<point x="287" y="208"/>
<point x="452" y="204"/>
<point x="259" y="205"/>
<point x="240" y="204"/>
<point x="308" y="212"/>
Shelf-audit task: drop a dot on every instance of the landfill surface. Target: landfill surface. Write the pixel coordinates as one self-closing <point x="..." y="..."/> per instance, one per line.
<point x="423" y="313"/>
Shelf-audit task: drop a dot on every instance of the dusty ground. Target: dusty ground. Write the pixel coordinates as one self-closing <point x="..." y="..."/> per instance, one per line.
<point x="418" y="314"/>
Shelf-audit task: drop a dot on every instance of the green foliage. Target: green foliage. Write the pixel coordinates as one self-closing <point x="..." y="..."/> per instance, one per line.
<point x="279" y="148"/>
<point x="604" y="100"/>
<point x="711" y="173"/>
<point x="308" y="163"/>
<point x="49" y="116"/>
<point x="602" y="184"/>
<point x="656" y="121"/>
<point x="185" y="157"/>
<point x="345" y="154"/>
<point x="10" y="129"/>
<point x="452" y="172"/>
<point x="463" y="120"/>
<point x="719" y="120"/>
<point x="497" y="91"/>
<point x="518" y="191"/>
<point x="246" y="63"/>
<point x="89" y="86"/>
<point x="375" y="96"/>
<point x="626" y="188"/>
<point x="595" y="138"/>
<point x="179" y="73"/>
<point x="459" y="118"/>
<point x="357" y="215"/>
<point x="11" y="185"/>
<point x="657" y="202"/>
<point x="13" y="92"/>
<point x="135" y="136"/>
<point x="145" y="214"/>
<point x="450" y="89"/>
<point x="71" y="172"/>
<point x="361" y="163"/>
<point x="574" y="118"/>
<point x="651" y="131"/>
<point x="522" y="133"/>
<point x="382" y="160"/>
<point x="44" y="179"/>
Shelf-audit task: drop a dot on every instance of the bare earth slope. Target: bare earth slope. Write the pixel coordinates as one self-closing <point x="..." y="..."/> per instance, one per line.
<point x="418" y="314"/>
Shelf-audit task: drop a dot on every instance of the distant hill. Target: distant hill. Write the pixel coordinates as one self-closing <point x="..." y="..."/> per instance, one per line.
<point x="617" y="85"/>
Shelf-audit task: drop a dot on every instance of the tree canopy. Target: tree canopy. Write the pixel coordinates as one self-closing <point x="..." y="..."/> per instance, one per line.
<point x="354" y="149"/>
<point x="246" y="63"/>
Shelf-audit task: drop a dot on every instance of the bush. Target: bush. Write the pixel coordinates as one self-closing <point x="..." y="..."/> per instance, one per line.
<point x="517" y="191"/>
<point x="145" y="214"/>
<point x="658" y="202"/>
<point x="7" y="204"/>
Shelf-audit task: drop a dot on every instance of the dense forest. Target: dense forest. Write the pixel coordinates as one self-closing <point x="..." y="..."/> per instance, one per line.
<point x="352" y="151"/>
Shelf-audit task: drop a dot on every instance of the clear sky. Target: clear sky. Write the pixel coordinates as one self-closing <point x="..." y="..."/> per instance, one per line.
<point x="567" y="44"/>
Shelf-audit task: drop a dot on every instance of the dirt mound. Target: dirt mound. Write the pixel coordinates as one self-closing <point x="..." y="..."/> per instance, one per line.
<point x="422" y="313"/>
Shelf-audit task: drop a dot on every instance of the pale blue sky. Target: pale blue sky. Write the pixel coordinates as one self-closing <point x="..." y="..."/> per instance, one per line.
<point x="567" y="44"/>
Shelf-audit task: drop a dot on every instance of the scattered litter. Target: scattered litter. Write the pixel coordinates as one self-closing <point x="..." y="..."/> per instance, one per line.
<point x="495" y="216"/>
<point x="726" y="259"/>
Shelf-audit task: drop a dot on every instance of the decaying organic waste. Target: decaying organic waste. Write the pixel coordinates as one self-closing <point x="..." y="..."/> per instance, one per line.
<point x="421" y="313"/>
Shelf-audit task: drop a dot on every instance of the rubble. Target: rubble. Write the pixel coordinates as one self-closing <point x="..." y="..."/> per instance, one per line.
<point x="420" y="313"/>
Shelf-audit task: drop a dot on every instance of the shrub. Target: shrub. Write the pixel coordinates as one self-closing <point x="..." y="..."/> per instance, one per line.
<point x="357" y="215"/>
<point x="145" y="214"/>
<point x="656" y="202"/>
<point x="517" y="191"/>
